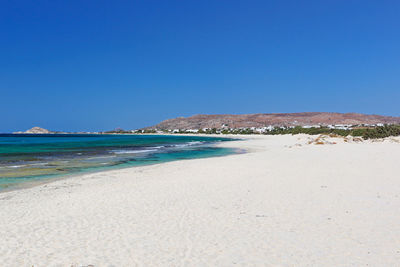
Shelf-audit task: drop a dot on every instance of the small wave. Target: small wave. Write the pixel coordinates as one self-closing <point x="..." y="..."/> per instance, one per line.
<point x="22" y="165"/>
<point x="99" y="157"/>
<point x="12" y="166"/>
<point x="17" y="166"/>
<point x="133" y="151"/>
<point x="36" y="164"/>
<point x="193" y="143"/>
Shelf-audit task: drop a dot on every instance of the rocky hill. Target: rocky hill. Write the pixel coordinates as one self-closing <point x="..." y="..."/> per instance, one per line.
<point x="274" y="119"/>
<point x="36" y="130"/>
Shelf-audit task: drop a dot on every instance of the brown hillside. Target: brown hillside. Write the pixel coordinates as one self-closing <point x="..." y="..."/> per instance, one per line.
<point x="275" y="119"/>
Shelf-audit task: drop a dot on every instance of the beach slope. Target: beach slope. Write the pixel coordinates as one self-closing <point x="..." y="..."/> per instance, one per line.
<point x="286" y="202"/>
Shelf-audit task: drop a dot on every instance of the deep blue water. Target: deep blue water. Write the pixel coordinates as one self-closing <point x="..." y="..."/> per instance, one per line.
<point x="30" y="158"/>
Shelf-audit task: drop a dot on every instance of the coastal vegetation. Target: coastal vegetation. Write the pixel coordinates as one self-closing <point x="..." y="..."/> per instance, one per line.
<point x="379" y="132"/>
<point x="366" y="132"/>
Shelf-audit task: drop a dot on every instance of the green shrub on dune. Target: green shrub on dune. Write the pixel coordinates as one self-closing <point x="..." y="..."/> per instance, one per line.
<point x="381" y="132"/>
<point x="366" y="133"/>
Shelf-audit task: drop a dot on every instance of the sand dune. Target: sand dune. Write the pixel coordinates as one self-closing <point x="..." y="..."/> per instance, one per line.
<point x="285" y="203"/>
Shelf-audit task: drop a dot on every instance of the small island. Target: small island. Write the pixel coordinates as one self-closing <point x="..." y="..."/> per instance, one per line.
<point x="35" y="130"/>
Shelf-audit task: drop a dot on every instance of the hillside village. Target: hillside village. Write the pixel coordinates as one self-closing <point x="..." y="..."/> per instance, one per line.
<point x="256" y="130"/>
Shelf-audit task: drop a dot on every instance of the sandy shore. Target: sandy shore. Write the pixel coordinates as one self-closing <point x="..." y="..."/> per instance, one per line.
<point x="285" y="203"/>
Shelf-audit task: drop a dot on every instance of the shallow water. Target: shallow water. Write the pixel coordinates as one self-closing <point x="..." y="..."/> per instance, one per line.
<point x="29" y="158"/>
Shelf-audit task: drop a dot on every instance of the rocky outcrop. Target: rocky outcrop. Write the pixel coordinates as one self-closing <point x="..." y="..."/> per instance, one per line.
<point x="274" y="119"/>
<point x="36" y="130"/>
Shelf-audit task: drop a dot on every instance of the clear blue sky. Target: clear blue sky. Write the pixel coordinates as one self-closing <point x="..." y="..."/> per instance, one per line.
<point x="97" y="65"/>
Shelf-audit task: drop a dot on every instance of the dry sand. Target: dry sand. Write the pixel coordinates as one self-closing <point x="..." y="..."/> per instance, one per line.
<point x="285" y="203"/>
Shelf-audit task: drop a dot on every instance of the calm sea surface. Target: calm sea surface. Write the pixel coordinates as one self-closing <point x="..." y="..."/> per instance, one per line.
<point x="32" y="158"/>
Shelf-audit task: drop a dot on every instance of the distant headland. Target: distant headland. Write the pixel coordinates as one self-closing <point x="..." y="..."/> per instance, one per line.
<point x="35" y="130"/>
<point x="39" y="130"/>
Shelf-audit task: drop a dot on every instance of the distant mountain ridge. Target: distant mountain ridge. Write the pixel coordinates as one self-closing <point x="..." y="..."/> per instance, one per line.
<point x="274" y="119"/>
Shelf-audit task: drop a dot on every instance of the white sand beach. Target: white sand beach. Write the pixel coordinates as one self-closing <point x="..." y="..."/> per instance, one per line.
<point x="284" y="203"/>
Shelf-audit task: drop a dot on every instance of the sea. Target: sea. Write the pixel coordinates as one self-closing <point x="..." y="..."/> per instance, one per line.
<point x="27" y="159"/>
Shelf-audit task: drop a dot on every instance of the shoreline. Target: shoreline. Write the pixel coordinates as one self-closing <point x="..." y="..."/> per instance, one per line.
<point x="38" y="181"/>
<point x="284" y="202"/>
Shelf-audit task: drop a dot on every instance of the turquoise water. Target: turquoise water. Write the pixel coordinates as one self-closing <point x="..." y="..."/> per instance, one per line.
<point x="33" y="158"/>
